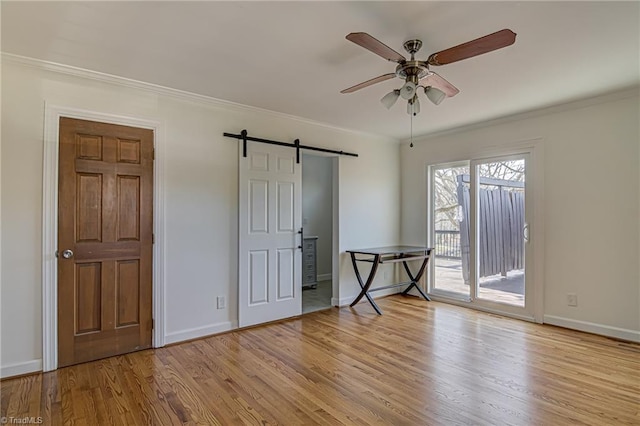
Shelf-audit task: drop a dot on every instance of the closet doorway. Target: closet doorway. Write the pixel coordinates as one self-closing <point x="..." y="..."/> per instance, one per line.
<point x="317" y="225"/>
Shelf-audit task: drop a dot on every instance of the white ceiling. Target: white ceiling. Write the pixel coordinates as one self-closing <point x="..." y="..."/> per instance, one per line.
<point x="292" y="57"/>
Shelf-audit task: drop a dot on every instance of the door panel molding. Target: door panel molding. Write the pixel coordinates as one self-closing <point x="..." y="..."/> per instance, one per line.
<point x="269" y="217"/>
<point x="53" y="113"/>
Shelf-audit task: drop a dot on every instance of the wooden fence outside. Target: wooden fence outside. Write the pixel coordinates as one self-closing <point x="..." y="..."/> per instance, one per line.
<point x="501" y="225"/>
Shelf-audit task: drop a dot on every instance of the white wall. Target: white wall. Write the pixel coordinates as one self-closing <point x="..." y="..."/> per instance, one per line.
<point x="591" y="209"/>
<point x="317" y="194"/>
<point x="200" y="210"/>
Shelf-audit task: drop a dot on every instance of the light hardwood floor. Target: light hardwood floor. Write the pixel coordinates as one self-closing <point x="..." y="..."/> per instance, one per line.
<point x="421" y="363"/>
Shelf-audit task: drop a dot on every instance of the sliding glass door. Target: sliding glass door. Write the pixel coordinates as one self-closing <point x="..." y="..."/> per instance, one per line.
<point x="479" y="216"/>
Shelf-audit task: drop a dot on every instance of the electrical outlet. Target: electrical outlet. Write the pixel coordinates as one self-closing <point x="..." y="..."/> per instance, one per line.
<point x="572" y="299"/>
<point x="222" y="302"/>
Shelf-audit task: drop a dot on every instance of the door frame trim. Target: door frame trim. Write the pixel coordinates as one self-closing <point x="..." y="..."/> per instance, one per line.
<point x="52" y="115"/>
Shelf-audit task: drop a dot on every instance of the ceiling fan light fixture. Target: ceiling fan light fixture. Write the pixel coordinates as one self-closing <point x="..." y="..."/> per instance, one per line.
<point x="408" y="90"/>
<point x="390" y="98"/>
<point x="435" y="95"/>
<point x="413" y="106"/>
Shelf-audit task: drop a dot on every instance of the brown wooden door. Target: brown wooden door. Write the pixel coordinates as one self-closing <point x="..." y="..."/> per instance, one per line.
<point x="105" y="217"/>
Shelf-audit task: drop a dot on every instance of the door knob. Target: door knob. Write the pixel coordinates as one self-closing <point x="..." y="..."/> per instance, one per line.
<point x="67" y="254"/>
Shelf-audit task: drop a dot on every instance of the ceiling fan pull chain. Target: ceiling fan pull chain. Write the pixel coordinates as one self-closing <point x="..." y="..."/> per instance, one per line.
<point x="411" y="127"/>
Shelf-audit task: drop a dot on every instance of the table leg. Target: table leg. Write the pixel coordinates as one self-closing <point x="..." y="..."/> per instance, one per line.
<point x="414" y="280"/>
<point x="365" y="287"/>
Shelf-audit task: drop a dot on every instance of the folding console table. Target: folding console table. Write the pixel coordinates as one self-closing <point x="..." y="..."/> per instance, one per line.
<point x="392" y="254"/>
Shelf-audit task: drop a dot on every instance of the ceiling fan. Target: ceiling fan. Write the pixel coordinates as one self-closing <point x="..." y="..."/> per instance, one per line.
<point x="417" y="74"/>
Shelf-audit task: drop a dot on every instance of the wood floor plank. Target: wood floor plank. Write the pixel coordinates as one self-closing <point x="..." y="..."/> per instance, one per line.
<point x="421" y="363"/>
<point x="271" y="398"/>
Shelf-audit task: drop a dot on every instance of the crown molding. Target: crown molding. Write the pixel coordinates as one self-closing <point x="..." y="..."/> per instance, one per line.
<point x="173" y="93"/>
<point x="628" y="92"/>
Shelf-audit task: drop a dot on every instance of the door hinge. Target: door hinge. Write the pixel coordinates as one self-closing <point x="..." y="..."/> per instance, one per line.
<point x="153" y="324"/>
<point x="153" y="238"/>
<point x="153" y="154"/>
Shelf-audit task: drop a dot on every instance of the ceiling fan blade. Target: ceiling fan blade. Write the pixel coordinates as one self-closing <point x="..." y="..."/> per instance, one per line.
<point x="435" y="80"/>
<point x="383" y="77"/>
<point x="486" y="44"/>
<point x="375" y="46"/>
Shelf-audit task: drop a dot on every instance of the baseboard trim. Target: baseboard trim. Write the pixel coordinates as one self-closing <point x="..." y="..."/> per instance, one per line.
<point x="323" y="277"/>
<point x="20" y="368"/>
<point x="590" y="327"/>
<point x="341" y="302"/>
<point x="199" y="332"/>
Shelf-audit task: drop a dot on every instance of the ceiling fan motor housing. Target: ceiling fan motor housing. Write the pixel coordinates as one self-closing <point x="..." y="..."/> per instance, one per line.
<point x="412" y="70"/>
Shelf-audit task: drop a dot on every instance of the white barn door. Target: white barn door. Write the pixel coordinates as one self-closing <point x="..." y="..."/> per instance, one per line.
<point x="270" y="218"/>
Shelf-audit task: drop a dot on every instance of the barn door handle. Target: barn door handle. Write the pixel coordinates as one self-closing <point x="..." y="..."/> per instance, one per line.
<point x="301" y="237"/>
<point x="67" y="254"/>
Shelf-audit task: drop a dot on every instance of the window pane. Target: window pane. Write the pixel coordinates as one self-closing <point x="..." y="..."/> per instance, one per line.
<point x="451" y="229"/>
<point x="500" y="231"/>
